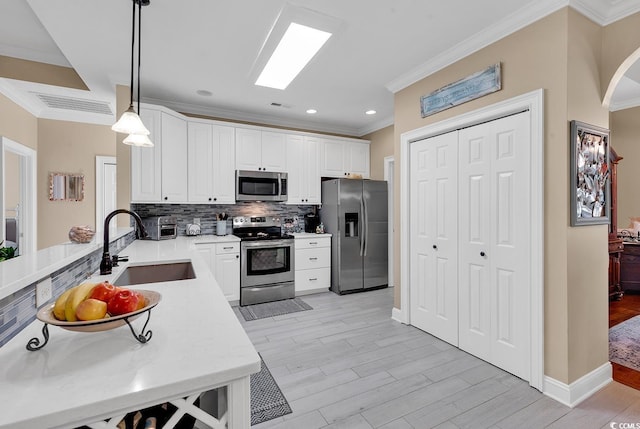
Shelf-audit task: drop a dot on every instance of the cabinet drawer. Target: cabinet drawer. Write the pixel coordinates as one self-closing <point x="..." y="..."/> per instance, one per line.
<point x="227" y="248"/>
<point x="313" y="242"/>
<point x="616" y="247"/>
<point x="313" y="258"/>
<point x="313" y="279"/>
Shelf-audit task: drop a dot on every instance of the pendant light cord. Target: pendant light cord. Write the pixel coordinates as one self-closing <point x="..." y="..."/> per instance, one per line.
<point x="133" y="33"/>
<point x="139" y="46"/>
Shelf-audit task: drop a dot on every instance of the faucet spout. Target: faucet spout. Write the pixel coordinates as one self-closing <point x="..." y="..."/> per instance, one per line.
<point x="106" y="265"/>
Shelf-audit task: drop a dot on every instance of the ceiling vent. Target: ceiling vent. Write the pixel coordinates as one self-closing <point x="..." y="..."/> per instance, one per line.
<point x="77" y="104"/>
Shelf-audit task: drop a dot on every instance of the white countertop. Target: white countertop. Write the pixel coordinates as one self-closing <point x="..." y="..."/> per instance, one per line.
<point x="19" y="272"/>
<point x="309" y="235"/>
<point x="203" y="239"/>
<point x="78" y="378"/>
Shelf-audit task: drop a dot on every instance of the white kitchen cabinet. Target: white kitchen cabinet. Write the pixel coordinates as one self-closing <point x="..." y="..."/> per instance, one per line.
<point x="174" y="159"/>
<point x="159" y="173"/>
<point x="146" y="162"/>
<point x="223" y="259"/>
<point x="260" y="150"/>
<point x="313" y="263"/>
<point x="339" y="158"/>
<point x="303" y="168"/>
<point x="211" y="163"/>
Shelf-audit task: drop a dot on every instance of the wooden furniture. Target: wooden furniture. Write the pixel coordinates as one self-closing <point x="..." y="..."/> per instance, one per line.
<point x="616" y="246"/>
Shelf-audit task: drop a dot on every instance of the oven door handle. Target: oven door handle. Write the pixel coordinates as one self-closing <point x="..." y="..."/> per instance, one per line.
<point x="268" y="243"/>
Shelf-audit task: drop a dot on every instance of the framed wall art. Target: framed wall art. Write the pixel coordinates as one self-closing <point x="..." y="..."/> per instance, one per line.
<point x="590" y="191"/>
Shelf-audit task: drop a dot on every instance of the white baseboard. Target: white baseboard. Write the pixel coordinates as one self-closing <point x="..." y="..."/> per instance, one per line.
<point x="398" y="315"/>
<point x="576" y="392"/>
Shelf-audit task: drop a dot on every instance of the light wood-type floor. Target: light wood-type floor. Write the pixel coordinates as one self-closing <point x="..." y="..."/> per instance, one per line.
<point x="347" y="364"/>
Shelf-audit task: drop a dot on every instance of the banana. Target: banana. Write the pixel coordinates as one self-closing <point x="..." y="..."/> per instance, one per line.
<point x="78" y="294"/>
<point x="59" y="306"/>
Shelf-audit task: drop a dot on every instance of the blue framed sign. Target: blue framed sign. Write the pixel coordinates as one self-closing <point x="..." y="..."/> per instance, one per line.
<point x="469" y="88"/>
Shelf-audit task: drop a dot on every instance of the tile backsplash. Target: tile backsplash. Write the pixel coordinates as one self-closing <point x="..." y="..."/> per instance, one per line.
<point x="207" y="214"/>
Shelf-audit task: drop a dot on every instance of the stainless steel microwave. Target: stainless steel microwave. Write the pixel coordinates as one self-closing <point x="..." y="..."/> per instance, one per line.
<point x="261" y="186"/>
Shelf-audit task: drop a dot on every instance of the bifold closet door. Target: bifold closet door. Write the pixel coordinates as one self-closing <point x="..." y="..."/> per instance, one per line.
<point x="434" y="240"/>
<point x="493" y="257"/>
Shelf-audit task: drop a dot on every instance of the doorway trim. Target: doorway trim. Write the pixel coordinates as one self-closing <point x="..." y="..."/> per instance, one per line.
<point x="389" y="166"/>
<point x="28" y="193"/>
<point x="534" y="103"/>
<point x="101" y="161"/>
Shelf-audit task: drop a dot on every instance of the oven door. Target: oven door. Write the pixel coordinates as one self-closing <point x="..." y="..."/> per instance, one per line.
<point x="266" y="262"/>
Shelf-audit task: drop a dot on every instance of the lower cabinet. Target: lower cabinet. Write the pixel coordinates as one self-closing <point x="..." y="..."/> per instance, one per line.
<point x="223" y="260"/>
<point x="313" y="264"/>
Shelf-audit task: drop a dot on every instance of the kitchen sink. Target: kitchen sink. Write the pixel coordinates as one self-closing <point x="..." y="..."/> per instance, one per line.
<point x="155" y="273"/>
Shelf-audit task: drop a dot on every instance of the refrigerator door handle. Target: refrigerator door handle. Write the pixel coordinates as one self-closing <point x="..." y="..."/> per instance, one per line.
<point x="362" y="227"/>
<point x="365" y="226"/>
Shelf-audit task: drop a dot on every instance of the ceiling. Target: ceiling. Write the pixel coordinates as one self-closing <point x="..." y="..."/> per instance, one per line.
<point x="193" y="45"/>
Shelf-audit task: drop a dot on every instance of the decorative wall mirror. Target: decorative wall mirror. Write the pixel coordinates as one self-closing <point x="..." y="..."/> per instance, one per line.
<point x="66" y="187"/>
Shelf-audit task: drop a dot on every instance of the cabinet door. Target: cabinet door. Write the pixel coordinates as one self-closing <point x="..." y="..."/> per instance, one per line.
<point x="312" y="170"/>
<point x="248" y="149"/>
<point x="146" y="162"/>
<point x="228" y="275"/>
<point x="201" y="173"/>
<point x="174" y="159"/>
<point x="296" y="180"/>
<point x="224" y="155"/>
<point x="332" y="159"/>
<point x="208" y="253"/>
<point x="273" y="151"/>
<point x="357" y="158"/>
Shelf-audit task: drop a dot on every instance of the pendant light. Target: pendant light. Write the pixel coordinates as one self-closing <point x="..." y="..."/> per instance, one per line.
<point x="130" y="123"/>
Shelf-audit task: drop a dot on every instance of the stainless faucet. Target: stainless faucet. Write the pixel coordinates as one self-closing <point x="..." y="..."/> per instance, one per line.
<point x="106" y="264"/>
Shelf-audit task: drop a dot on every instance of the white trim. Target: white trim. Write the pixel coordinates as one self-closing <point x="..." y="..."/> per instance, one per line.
<point x="28" y="194"/>
<point x="534" y="102"/>
<point x="576" y="392"/>
<point x="100" y="163"/>
<point x="389" y="165"/>
<point x="398" y="316"/>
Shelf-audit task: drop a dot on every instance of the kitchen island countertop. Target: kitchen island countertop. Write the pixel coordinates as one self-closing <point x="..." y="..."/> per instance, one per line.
<point x="80" y="378"/>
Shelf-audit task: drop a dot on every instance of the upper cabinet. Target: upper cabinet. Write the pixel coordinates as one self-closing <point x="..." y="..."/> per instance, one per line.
<point x="159" y="173"/>
<point x="211" y="150"/>
<point x="260" y="150"/>
<point x="339" y="158"/>
<point x="303" y="170"/>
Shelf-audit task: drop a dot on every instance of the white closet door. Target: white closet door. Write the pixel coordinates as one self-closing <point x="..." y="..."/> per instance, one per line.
<point x="434" y="271"/>
<point x="494" y="268"/>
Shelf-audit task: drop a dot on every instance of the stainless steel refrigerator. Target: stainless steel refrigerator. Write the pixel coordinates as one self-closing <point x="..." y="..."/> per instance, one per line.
<point x="355" y="213"/>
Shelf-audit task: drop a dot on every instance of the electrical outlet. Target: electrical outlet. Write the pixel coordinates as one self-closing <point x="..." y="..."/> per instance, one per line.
<point x="196" y="220"/>
<point x="44" y="291"/>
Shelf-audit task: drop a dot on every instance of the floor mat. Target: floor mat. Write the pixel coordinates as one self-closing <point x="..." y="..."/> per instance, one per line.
<point x="276" y="308"/>
<point x="267" y="400"/>
<point x="624" y="343"/>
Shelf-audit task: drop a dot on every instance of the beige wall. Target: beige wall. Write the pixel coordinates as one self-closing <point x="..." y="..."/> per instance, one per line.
<point x="68" y="147"/>
<point x="17" y="124"/>
<point x="381" y="147"/>
<point x="12" y="184"/>
<point x="625" y="138"/>
<point x="32" y="71"/>
<point x="561" y="54"/>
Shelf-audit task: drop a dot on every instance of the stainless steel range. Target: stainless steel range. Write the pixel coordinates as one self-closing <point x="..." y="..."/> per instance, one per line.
<point x="266" y="260"/>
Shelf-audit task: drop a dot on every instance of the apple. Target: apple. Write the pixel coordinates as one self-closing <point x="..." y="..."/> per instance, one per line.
<point x="91" y="309"/>
<point x="142" y="302"/>
<point x="104" y="291"/>
<point x="124" y="301"/>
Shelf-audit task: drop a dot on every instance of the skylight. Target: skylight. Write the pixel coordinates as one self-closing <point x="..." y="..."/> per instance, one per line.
<point x="294" y="51"/>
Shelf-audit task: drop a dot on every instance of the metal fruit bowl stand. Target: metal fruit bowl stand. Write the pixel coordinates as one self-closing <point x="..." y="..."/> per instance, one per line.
<point x="45" y="314"/>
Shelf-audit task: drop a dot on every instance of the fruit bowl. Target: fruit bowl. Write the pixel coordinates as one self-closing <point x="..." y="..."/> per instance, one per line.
<point x="45" y="314"/>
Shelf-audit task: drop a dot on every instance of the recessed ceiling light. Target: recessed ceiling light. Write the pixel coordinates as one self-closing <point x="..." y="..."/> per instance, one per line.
<point x="311" y="111"/>
<point x="296" y="48"/>
<point x="204" y="93"/>
<point x="370" y="112"/>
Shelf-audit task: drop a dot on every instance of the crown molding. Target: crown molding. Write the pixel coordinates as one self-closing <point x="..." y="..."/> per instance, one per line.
<point x="605" y="12"/>
<point x="378" y="125"/>
<point x="258" y="118"/>
<point x="489" y="35"/>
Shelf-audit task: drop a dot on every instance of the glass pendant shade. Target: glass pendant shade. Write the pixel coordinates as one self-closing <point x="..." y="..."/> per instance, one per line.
<point x="130" y="123"/>
<point x="141" y="140"/>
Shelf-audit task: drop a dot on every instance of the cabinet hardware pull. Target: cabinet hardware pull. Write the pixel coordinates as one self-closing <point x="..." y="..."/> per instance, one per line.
<point x="313" y="243"/>
<point x="227" y="248"/>
<point x="435" y="247"/>
<point x="482" y="253"/>
<point x="313" y="259"/>
<point x="166" y="198"/>
<point x="313" y="280"/>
